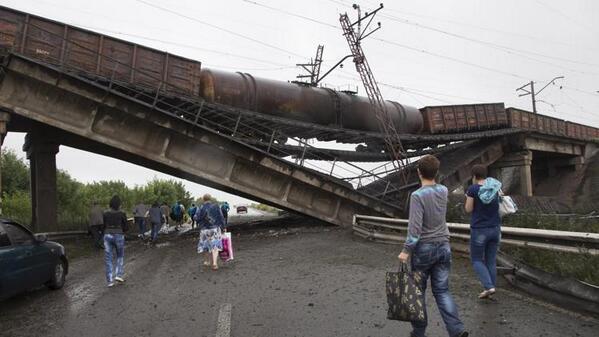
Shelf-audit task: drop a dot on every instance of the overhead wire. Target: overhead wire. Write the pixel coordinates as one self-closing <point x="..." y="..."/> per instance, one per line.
<point x="424" y="51"/>
<point x="211" y="25"/>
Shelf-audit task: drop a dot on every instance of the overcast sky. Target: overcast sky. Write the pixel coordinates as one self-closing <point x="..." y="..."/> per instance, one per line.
<point x="427" y="52"/>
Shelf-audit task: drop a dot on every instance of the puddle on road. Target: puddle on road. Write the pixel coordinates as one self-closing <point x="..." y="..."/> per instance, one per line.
<point x="163" y="244"/>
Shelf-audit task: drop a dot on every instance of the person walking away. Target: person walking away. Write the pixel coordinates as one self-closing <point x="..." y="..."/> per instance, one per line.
<point x="177" y="211"/>
<point x="211" y="222"/>
<point x="156" y="220"/>
<point x="224" y="208"/>
<point x="192" y="212"/>
<point x="167" y="212"/>
<point x="427" y="244"/>
<point x="139" y="216"/>
<point x="96" y="222"/>
<point x="115" y="227"/>
<point x="482" y="200"/>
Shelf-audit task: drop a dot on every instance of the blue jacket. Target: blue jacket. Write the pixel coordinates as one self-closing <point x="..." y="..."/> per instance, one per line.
<point x="210" y="216"/>
<point x="488" y="191"/>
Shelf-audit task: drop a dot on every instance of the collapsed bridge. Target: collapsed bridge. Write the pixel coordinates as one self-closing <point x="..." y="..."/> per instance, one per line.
<point x="243" y="135"/>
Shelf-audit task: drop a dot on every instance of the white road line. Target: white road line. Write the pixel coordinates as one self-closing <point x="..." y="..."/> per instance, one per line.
<point x="223" y="326"/>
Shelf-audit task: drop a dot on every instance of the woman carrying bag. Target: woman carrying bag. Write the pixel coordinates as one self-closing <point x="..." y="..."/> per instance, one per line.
<point x="482" y="200"/>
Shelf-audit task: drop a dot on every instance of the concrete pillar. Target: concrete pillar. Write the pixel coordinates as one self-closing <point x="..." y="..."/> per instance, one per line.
<point x="516" y="168"/>
<point x="41" y="153"/>
<point x="4" y="119"/>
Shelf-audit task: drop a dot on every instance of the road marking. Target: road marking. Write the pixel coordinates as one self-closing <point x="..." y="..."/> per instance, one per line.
<point x="223" y="326"/>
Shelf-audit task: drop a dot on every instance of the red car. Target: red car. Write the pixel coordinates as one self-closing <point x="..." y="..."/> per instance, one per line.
<point x="242" y="209"/>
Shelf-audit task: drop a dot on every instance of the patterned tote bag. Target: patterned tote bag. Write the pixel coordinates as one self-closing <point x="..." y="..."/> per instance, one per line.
<point x="404" y="296"/>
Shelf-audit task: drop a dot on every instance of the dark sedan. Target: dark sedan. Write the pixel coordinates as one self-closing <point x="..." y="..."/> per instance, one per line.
<point x="28" y="260"/>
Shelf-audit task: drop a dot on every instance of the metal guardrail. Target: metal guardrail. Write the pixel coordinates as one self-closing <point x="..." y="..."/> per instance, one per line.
<point x="388" y="229"/>
<point x="63" y="235"/>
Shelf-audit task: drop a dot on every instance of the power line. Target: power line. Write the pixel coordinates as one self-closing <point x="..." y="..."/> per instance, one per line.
<point x="424" y="51"/>
<point x="184" y="45"/>
<point x="219" y="28"/>
<point x="469" y="25"/>
<point x="575" y="21"/>
<point x="291" y="14"/>
<point x="507" y="49"/>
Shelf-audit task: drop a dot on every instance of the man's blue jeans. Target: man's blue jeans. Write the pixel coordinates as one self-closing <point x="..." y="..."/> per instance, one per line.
<point x="433" y="259"/>
<point x="155" y="230"/>
<point x="483" y="254"/>
<point x="117" y="242"/>
<point x="141" y="224"/>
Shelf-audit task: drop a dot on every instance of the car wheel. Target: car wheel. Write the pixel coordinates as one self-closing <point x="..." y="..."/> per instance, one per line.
<point x="58" y="277"/>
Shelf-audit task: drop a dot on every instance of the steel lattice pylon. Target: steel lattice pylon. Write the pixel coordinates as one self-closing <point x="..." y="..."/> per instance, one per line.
<point x="392" y="139"/>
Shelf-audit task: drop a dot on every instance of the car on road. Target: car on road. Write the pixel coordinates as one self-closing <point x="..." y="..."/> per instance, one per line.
<point x="242" y="210"/>
<point x="28" y="261"/>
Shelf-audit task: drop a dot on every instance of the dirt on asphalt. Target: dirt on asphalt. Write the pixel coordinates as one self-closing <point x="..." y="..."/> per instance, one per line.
<point x="311" y="281"/>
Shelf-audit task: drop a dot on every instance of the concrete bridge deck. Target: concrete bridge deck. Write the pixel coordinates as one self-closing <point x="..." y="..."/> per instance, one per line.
<point x="311" y="281"/>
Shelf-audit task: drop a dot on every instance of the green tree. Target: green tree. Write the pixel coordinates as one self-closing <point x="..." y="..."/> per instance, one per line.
<point x="17" y="206"/>
<point x="15" y="173"/>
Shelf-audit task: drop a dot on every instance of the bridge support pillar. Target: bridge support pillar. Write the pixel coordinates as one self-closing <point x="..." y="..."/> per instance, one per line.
<point x="4" y="119"/>
<point x="41" y="153"/>
<point x="514" y="170"/>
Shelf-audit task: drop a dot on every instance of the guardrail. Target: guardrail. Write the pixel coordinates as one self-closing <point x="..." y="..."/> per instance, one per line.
<point x="388" y="229"/>
<point x="563" y="291"/>
<point x="63" y="235"/>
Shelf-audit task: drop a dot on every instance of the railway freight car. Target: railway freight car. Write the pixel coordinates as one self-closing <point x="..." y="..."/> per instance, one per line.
<point x="302" y="102"/>
<point x="97" y="55"/>
<point x="528" y="120"/>
<point x="460" y="118"/>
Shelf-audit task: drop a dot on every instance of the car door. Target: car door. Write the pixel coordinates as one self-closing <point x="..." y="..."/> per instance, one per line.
<point x="30" y="257"/>
<point x="13" y="266"/>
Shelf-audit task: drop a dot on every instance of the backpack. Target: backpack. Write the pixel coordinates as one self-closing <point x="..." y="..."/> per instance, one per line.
<point x="176" y="212"/>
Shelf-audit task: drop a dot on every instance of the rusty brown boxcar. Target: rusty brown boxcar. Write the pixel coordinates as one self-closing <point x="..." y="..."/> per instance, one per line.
<point x="97" y="55"/>
<point x="575" y="130"/>
<point x="523" y="119"/>
<point x="468" y="117"/>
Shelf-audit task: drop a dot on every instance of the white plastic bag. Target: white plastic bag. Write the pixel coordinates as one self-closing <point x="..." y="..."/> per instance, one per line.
<point x="507" y="206"/>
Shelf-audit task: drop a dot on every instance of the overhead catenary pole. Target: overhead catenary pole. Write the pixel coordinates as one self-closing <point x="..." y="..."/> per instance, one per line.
<point x="354" y="38"/>
<point x="534" y="93"/>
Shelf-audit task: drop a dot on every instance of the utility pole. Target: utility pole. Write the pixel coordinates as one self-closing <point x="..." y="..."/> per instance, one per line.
<point x="534" y="93"/>
<point x="354" y="36"/>
<point x="313" y="68"/>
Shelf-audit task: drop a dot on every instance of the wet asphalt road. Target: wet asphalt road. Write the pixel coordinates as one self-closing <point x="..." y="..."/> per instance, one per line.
<point x="309" y="282"/>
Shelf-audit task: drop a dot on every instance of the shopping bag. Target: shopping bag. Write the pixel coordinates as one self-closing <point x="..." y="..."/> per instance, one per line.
<point x="224" y="254"/>
<point x="227" y="253"/>
<point x="404" y="295"/>
<point x="507" y="206"/>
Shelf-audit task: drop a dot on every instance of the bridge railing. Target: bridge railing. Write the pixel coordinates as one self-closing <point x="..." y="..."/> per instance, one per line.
<point x="394" y="230"/>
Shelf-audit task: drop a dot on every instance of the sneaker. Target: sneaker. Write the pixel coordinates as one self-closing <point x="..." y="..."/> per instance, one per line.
<point x="111" y="284"/>
<point x="486" y="293"/>
<point x="119" y="279"/>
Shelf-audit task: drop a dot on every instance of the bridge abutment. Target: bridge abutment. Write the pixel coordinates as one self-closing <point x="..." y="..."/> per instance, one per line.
<point x="41" y="152"/>
<point x="514" y="170"/>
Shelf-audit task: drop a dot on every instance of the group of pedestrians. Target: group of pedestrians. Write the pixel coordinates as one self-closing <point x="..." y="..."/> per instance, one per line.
<point x="108" y="229"/>
<point x="427" y="248"/>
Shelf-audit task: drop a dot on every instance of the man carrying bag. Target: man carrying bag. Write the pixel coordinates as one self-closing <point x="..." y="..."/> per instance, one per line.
<point x="427" y="246"/>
